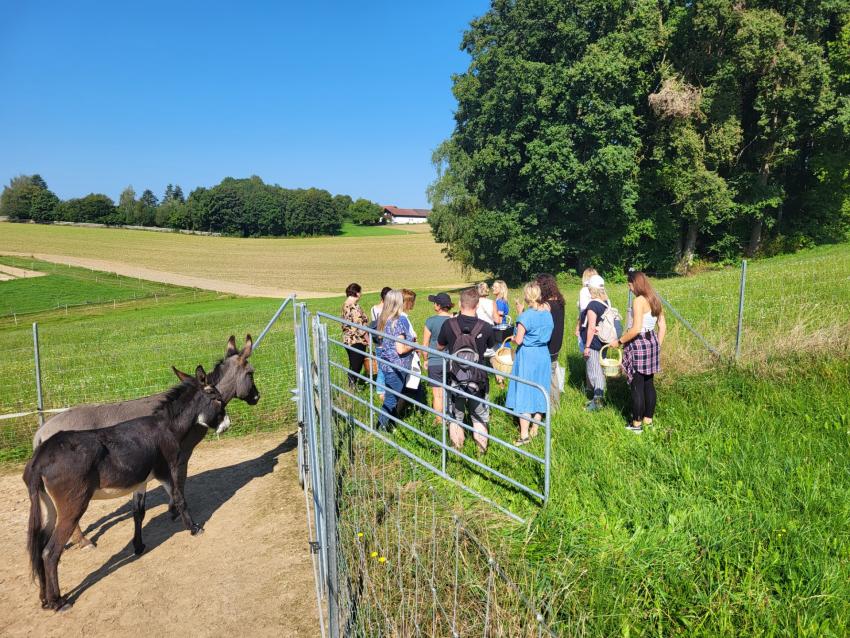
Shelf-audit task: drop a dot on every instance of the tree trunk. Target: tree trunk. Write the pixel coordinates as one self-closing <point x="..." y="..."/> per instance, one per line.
<point x="687" y="258"/>
<point x="755" y="238"/>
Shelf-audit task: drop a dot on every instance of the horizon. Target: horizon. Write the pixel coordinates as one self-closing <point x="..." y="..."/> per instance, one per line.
<point x="116" y="96"/>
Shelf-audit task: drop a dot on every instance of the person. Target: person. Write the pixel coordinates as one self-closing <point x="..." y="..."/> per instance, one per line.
<point x="642" y="349"/>
<point x="393" y="352"/>
<point x="534" y="327"/>
<point x="486" y="306"/>
<point x="375" y="311"/>
<point x="465" y="325"/>
<point x="583" y="300"/>
<point x="588" y="321"/>
<point x="413" y="387"/>
<point x="553" y="298"/>
<point x="356" y="340"/>
<point x="503" y="329"/>
<point x="434" y="364"/>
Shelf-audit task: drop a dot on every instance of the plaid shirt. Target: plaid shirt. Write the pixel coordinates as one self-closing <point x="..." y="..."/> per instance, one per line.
<point x="642" y="354"/>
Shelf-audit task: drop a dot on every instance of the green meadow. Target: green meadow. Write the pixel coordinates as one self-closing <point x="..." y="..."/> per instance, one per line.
<point x="730" y="516"/>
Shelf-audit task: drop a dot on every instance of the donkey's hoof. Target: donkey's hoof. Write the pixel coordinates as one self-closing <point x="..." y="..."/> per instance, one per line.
<point x="196" y="529"/>
<point x="138" y="551"/>
<point x="88" y="545"/>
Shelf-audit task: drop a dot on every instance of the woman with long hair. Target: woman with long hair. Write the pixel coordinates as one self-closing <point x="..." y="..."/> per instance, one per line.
<point x="553" y="298"/>
<point x="533" y="332"/>
<point x="642" y="349"/>
<point x="355" y="339"/>
<point x="392" y="323"/>
<point x="588" y="321"/>
<point x="486" y="306"/>
<point x="583" y="300"/>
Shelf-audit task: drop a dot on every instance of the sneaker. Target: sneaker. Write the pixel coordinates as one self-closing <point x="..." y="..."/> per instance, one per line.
<point x="637" y="429"/>
<point x="593" y="405"/>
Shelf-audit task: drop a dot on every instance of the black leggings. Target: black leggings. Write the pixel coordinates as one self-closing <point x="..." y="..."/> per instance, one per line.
<point x="355" y="360"/>
<point x="643" y="396"/>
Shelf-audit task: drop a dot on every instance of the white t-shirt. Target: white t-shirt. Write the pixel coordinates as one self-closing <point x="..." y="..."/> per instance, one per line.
<point x="376" y="311"/>
<point x="486" y="310"/>
<point x="583" y="298"/>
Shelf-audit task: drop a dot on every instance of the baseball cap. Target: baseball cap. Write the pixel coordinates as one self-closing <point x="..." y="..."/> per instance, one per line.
<point x="441" y="299"/>
<point x="595" y="282"/>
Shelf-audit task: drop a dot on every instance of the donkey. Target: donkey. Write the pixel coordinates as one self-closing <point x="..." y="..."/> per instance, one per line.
<point x="232" y="376"/>
<point x="73" y="467"/>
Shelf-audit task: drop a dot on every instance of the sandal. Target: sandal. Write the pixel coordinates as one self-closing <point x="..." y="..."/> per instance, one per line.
<point x="522" y="441"/>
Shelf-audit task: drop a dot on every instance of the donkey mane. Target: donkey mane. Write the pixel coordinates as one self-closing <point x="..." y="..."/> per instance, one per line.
<point x="215" y="373"/>
<point x="172" y="395"/>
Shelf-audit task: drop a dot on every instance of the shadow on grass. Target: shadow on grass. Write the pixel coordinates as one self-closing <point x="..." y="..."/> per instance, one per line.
<point x="205" y="494"/>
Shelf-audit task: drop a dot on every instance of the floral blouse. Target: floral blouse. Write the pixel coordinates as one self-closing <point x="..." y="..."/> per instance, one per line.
<point x="354" y="313"/>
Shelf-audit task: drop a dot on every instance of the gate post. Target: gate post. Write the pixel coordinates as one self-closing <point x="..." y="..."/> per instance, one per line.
<point x="329" y="480"/>
<point x="741" y="309"/>
<point x="39" y="397"/>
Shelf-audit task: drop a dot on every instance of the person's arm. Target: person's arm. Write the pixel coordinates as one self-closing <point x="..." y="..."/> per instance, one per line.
<point x="662" y="328"/>
<point x="519" y="335"/>
<point x="498" y="314"/>
<point x="403" y="348"/>
<point x="591" y="331"/>
<point x="638" y="311"/>
<point x="426" y="339"/>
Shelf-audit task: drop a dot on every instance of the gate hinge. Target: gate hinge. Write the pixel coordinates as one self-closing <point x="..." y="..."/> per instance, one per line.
<point x="314" y="547"/>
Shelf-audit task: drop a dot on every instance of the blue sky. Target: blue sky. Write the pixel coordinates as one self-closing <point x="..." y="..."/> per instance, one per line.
<point x="351" y="97"/>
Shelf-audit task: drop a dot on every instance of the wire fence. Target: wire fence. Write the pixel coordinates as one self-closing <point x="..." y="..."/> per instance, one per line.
<point x="396" y="554"/>
<point x="106" y="361"/>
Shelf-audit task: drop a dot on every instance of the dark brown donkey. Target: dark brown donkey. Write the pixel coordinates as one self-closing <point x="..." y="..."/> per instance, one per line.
<point x="233" y="377"/>
<point x="72" y="468"/>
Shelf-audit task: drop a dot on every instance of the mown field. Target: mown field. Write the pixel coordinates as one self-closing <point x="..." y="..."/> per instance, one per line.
<point x="729" y="517"/>
<point x="322" y="264"/>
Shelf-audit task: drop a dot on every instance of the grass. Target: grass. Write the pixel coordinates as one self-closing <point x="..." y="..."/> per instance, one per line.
<point x="355" y="230"/>
<point x="730" y="517"/>
<point x="317" y="264"/>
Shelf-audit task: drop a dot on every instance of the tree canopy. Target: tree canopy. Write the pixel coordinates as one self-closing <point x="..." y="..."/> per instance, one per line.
<point x="646" y="133"/>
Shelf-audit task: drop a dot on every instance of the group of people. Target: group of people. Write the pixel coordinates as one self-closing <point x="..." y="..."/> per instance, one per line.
<point x="482" y="324"/>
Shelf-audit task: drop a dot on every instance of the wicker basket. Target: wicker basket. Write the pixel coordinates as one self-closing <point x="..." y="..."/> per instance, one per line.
<point x="503" y="360"/>
<point x="610" y="365"/>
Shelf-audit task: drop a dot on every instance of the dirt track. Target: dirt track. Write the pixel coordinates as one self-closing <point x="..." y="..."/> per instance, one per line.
<point x="250" y="572"/>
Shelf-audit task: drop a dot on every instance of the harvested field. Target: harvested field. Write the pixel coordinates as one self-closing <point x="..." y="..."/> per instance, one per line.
<point x="258" y="267"/>
<point x="249" y="573"/>
<point x="7" y="273"/>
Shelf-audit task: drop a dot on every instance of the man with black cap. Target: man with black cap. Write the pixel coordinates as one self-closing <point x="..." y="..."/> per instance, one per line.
<point x="434" y="364"/>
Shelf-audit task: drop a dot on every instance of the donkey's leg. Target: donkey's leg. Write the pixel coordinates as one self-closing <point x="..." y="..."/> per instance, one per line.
<point x="70" y="508"/>
<point x="195" y="435"/>
<point x="138" y="517"/>
<point x="170" y="450"/>
<point x="46" y="532"/>
<point x="78" y="540"/>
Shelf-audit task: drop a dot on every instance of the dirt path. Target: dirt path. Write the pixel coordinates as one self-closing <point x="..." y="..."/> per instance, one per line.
<point x="140" y="272"/>
<point x="249" y="574"/>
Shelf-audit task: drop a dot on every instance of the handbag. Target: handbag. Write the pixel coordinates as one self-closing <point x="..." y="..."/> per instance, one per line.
<point x="412" y="379"/>
<point x="560" y="376"/>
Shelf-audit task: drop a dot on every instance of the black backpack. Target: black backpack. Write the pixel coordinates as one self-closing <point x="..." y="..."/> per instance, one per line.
<point x="465" y="348"/>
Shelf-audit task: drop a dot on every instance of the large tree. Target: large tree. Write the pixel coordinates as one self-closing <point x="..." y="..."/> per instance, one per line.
<point x="604" y="133"/>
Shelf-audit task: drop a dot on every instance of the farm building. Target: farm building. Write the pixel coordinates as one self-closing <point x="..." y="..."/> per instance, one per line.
<point x="396" y="215"/>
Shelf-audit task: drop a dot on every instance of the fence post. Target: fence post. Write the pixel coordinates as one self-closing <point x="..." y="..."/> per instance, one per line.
<point x="629" y="318"/>
<point x="741" y="309"/>
<point x="329" y="476"/>
<point x="39" y="397"/>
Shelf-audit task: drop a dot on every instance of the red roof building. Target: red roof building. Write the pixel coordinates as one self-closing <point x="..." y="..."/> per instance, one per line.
<point x="396" y="215"/>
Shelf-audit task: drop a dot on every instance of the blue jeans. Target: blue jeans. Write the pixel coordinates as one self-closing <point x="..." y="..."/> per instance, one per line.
<point x="394" y="380"/>
<point x="380" y="381"/>
<point x="580" y="345"/>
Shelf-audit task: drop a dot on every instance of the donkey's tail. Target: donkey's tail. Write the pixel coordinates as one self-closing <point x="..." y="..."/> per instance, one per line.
<point x="36" y="536"/>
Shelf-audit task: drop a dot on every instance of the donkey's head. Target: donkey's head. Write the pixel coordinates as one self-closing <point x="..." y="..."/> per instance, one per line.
<point x="209" y="404"/>
<point x="233" y="375"/>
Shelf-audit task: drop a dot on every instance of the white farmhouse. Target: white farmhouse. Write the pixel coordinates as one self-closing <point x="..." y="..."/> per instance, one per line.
<point x="396" y="215"/>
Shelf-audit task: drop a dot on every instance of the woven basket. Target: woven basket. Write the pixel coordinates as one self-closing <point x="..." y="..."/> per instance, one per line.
<point x="503" y="360"/>
<point x="610" y="365"/>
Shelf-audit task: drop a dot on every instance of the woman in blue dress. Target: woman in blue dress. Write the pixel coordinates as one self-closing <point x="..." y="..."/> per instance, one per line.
<point x="533" y="331"/>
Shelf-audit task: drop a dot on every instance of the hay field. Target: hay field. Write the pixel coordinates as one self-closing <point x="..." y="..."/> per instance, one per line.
<point x="262" y="267"/>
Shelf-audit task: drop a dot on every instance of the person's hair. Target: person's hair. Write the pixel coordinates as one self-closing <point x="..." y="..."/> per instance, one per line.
<point x="598" y="293"/>
<point x="500" y="289"/>
<point x="384" y="292"/>
<point x="531" y="292"/>
<point x="483" y="289"/>
<point x="549" y="290"/>
<point x="409" y="298"/>
<point x="642" y="288"/>
<point x="469" y="299"/>
<point x="587" y="274"/>
<point x="353" y="290"/>
<point x="393" y="303"/>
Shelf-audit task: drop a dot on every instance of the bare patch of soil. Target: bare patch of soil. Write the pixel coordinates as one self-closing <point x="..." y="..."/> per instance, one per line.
<point x="10" y="272"/>
<point x="249" y="574"/>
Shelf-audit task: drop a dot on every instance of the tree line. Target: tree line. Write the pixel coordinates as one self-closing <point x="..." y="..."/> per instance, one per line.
<point x="647" y="133"/>
<point x="240" y="207"/>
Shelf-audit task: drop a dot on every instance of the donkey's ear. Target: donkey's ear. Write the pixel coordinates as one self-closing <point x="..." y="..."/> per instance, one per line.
<point x="181" y="375"/>
<point x="246" y="350"/>
<point x="231" y="347"/>
<point x="200" y="375"/>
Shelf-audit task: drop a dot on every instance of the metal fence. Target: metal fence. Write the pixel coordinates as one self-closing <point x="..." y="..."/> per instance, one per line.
<point x="47" y="369"/>
<point x="394" y="552"/>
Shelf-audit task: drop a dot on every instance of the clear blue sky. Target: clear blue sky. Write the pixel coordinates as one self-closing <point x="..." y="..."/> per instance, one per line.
<point x="348" y="96"/>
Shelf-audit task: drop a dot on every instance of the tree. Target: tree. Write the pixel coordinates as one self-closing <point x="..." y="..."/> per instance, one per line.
<point x="93" y="208"/>
<point x="178" y="194"/>
<point x="169" y="194"/>
<point x="342" y="204"/>
<point x="365" y="213"/>
<point x="127" y="206"/>
<point x="45" y="206"/>
<point x="17" y="198"/>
